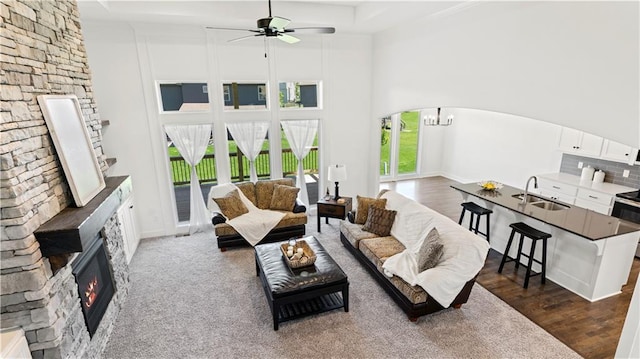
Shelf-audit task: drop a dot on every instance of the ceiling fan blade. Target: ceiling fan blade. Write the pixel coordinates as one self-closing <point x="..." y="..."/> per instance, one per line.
<point x="244" y="37"/>
<point x="278" y="23"/>
<point x="313" y="30"/>
<point x="288" y="38"/>
<point x="232" y="29"/>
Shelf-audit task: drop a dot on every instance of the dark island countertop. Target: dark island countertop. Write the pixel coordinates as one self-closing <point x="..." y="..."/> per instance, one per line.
<point x="577" y="220"/>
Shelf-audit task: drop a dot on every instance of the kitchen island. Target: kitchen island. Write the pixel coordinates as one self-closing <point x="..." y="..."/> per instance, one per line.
<point x="589" y="253"/>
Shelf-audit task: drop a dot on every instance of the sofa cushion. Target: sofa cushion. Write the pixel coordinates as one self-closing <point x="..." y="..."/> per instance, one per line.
<point x="363" y="207"/>
<point x="354" y="233"/>
<point x="264" y="191"/>
<point x="378" y="250"/>
<point x="249" y="191"/>
<point x="290" y="219"/>
<point x="430" y="251"/>
<point x="379" y="221"/>
<point x="284" y="197"/>
<point x="231" y="205"/>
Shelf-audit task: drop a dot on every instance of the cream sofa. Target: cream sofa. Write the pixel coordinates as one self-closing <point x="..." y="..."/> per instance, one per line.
<point x="260" y="194"/>
<point x="463" y="256"/>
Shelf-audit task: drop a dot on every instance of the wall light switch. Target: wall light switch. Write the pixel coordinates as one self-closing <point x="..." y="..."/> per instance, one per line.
<point x="625" y="173"/>
<point x="580" y="164"/>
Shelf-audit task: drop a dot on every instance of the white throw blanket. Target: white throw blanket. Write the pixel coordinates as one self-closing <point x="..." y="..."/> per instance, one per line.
<point x="463" y="257"/>
<point x="253" y="225"/>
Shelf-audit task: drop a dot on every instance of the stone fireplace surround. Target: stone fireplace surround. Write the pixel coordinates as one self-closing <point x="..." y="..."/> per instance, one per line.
<point x="43" y="52"/>
<point x="58" y="330"/>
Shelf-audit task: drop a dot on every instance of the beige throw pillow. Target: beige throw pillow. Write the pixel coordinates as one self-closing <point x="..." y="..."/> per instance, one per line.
<point x="379" y="221"/>
<point x="430" y="251"/>
<point x="231" y="205"/>
<point x="284" y="197"/>
<point x="363" y="207"/>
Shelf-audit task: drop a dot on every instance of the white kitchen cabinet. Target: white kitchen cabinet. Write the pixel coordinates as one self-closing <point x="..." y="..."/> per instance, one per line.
<point x="557" y="190"/>
<point x="615" y="151"/>
<point x="594" y="200"/>
<point x="128" y="227"/>
<point x="579" y="142"/>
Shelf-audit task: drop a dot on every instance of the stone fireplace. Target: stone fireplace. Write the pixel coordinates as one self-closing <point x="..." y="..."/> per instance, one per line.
<point x="42" y="52"/>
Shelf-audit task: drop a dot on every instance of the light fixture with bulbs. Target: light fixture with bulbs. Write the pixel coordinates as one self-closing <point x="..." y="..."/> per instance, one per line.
<point x="436" y="121"/>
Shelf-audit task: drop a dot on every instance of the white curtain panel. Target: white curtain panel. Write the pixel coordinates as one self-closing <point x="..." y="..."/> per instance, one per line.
<point x="300" y="134"/>
<point x="249" y="137"/>
<point x="192" y="141"/>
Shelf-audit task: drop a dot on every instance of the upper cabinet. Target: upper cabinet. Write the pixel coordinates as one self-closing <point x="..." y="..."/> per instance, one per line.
<point x="585" y="144"/>
<point x="580" y="143"/>
<point x="618" y="152"/>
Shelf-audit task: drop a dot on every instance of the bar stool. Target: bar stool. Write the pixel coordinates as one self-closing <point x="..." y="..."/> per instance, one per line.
<point x="477" y="211"/>
<point x="527" y="231"/>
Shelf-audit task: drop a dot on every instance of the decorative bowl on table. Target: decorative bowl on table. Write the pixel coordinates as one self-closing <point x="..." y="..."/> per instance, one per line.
<point x="306" y="257"/>
<point x="490" y="185"/>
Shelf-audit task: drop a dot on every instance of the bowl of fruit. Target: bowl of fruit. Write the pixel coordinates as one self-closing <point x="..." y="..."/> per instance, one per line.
<point x="490" y="185"/>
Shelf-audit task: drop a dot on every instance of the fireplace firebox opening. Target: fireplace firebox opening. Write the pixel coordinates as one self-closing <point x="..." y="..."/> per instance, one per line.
<point x="92" y="272"/>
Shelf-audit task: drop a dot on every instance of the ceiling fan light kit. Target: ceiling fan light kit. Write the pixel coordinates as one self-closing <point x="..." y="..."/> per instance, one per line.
<point x="275" y="26"/>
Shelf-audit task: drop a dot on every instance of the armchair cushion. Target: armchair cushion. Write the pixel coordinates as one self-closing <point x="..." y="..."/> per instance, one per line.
<point x="231" y="205"/>
<point x="264" y="191"/>
<point x="249" y="191"/>
<point x="284" y="198"/>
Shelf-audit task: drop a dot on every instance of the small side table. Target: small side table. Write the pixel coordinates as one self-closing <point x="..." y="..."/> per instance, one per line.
<point x="330" y="208"/>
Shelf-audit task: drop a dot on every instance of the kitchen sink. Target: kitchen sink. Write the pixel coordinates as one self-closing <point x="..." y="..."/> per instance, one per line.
<point x="530" y="198"/>
<point x="541" y="202"/>
<point x="550" y="206"/>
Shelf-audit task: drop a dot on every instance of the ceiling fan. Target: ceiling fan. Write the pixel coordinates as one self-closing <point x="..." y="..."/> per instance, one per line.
<point x="274" y="26"/>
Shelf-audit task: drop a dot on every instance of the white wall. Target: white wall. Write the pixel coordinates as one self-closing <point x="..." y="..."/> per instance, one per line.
<point x="119" y="93"/>
<point x="484" y="145"/>
<point x="568" y="63"/>
<point x="126" y="62"/>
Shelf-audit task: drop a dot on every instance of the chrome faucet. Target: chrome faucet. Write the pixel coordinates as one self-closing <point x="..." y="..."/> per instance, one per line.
<point x="526" y="188"/>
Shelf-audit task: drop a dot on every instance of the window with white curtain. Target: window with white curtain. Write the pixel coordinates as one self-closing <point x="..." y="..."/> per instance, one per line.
<point x="249" y="155"/>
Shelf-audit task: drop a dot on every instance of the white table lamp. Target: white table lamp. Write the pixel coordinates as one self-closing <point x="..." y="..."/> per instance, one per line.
<point x="337" y="173"/>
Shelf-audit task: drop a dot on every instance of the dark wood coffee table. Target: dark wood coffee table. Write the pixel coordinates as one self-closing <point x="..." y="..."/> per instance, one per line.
<point x="296" y="293"/>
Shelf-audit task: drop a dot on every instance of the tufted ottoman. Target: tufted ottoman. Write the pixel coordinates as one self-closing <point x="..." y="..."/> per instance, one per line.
<point x="295" y="293"/>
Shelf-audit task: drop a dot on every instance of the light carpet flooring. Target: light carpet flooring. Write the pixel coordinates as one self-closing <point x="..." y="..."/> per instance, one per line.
<point x="189" y="300"/>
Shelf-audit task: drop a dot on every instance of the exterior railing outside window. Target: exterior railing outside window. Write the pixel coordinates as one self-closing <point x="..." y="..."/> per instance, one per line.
<point x="181" y="174"/>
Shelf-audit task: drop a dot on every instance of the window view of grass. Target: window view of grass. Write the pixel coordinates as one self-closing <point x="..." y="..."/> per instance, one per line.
<point x="408" y="143"/>
<point x="385" y="147"/>
<point x="408" y="149"/>
<point x="180" y="172"/>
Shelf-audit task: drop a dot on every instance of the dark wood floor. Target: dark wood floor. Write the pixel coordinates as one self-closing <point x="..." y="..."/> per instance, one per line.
<point x="591" y="329"/>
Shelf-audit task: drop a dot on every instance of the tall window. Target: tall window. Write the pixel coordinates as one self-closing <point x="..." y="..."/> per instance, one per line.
<point x="310" y="163"/>
<point x="181" y="177"/>
<point x="240" y="166"/>
<point x="399" y="143"/>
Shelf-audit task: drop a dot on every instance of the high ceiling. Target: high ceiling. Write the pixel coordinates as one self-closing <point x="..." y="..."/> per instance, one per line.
<point x="346" y="16"/>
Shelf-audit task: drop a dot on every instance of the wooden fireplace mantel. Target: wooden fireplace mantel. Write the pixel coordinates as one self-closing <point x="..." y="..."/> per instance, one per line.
<point x="74" y="228"/>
